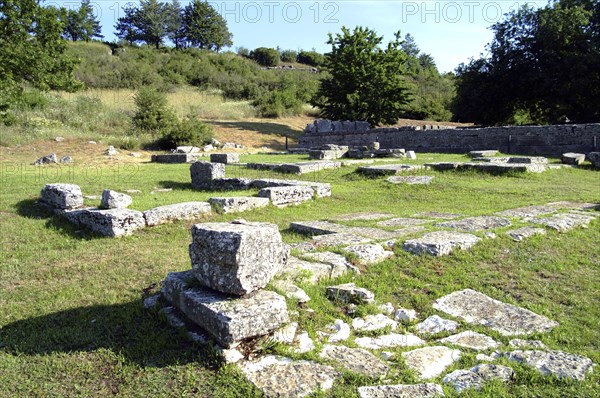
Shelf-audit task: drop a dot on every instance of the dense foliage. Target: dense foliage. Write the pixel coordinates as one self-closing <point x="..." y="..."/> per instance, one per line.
<point x="265" y="56"/>
<point x="365" y="82"/>
<point x="81" y="24"/>
<point x="543" y="67"/>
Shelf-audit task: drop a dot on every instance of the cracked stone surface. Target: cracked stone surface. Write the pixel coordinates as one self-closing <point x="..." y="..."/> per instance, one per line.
<point x="114" y="200"/>
<point x="279" y="377"/>
<point x="316" y="270"/>
<point x="237" y="204"/>
<point x="473" y="340"/>
<point x="426" y="390"/>
<point x="527" y="212"/>
<point x="440" y="243"/>
<point x="463" y="379"/>
<point x="557" y="363"/>
<point x="566" y="221"/>
<point x="355" y="360"/>
<point x="237" y="258"/>
<point x="292" y="291"/>
<point x="507" y="319"/>
<point x="410" y="180"/>
<point x="62" y="196"/>
<point x="473" y="224"/>
<point x="402" y="222"/>
<point x="373" y="322"/>
<point x="177" y="211"/>
<point x="520" y="343"/>
<point x="369" y="253"/>
<point x="349" y="293"/>
<point x="338" y="239"/>
<point x="389" y="341"/>
<point x="338" y="265"/>
<point x="491" y="372"/>
<point x="525" y="232"/>
<point x="436" y="324"/>
<point x="365" y="216"/>
<point x="437" y="215"/>
<point x="430" y="362"/>
<point x="284" y="196"/>
<point x="111" y="222"/>
<point x="386" y="169"/>
<point x="326" y="227"/>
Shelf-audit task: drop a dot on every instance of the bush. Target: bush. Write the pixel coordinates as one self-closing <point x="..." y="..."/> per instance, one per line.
<point x="285" y="100"/>
<point x="265" y="56"/>
<point x="187" y="132"/>
<point x="153" y="112"/>
<point x="289" y="55"/>
<point x="311" y="58"/>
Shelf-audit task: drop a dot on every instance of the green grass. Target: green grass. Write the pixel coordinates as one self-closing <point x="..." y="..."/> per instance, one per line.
<point x="71" y="317"/>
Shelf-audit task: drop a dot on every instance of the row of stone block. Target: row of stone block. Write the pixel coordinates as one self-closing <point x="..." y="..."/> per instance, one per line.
<point x="191" y="157"/>
<point x="295" y="168"/>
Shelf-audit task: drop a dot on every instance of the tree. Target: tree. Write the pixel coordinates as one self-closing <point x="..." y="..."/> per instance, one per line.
<point x="175" y="27"/>
<point x="311" y="58"/>
<point x="147" y="24"/>
<point x="265" y="56"/>
<point x="126" y="28"/>
<point x="204" y="27"/>
<point x="33" y="50"/>
<point x="543" y="67"/>
<point x="365" y="82"/>
<point x="81" y="24"/>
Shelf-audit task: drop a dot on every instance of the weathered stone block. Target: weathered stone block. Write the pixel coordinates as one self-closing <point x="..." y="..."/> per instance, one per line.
<point x="175" y="158"/>
<point x="428" y="390"/>
<point x="237" y="204"/>
<point x="386" y="170"/>
<point x="229" y="320"/>
<point x="225" y="158"/>
<point x="483" y="153"/>
<point x="557" y="363"/>
<point x="62" y="196"/>
<point x="187" y="149"/>
<point x="203" y="173"/>
<point x="283" y="196"/>
<point x="114" y="200"/>
<point x="112" y="222"/>
<point x="594" y="158"/>
<point x="430" y="362"/>
<point x="237" y="258"/>
<point x="177" y="211"/>
<point x="440" y="243"/>
<point x="355" y="360"/>
<point x="349" y="293"/>
<point x="573" y="158"/>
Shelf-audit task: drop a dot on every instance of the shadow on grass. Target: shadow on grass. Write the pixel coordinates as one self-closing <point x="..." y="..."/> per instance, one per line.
<point x="138" y="334"/>
<point x="31" y="208"/>
<point x="179" y="186"/>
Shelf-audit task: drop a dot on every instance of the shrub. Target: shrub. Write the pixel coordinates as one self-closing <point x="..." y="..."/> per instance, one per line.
<point x="265" y="56"/>
<point x="153" y="112"/>
<point x="289" y="55"/>
<point x="187" y="132"/>
<point x="312" y="58"/>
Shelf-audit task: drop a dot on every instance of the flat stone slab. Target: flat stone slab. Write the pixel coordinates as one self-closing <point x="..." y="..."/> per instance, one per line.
<point x="565" y="204"/>
<point x="369" y="253"/>
<point x="386" y="169"/>
<point x="528" y="160"/>
<point x="473" y="224"/>
<point x="372" y="323"/>
<point x="389" y="341"/>
<point x="327" y="227"/>
<point x="284" y="196"/>
<point x="308" y="167"/>
<point x="473" y="340"/>
<point x="62" y="196"/>
<point x="483" y="153"/>
<point x="279" y="377"/>
<point x="355" y="360"/>
<point x="322" y="189"/>
<point x="402" y="222"/>
<point x="427" y="390"/>
<point x="437" y="215"/>
<point x="226" y="158"/>
<point x="177" y="211"/>
<point x="365" y="216"/>
<point x="175" y="158"/>
<point x="237" y="204"/>
<point x="338" y="239"/>
<point x="316" y="270"/>
<point x="430" y="362"/>
<point x="507" y="319"/>
<point x="349" y="293"/>
<point x="114" y="200"/>
<point x="410" y="180"/>
<point x="111" y="222"/>
<point x="291" y="291"/>
<point x="237" y="258"/>
<point x="557" y="363"/>
<point x="565" y="221"/>
<point x="463" y="379"/>
<point x="573" y="158"/>
<point x="440" y="243"/>
<point x="228" y="319"/>
<point x="436" y="324"/>
<point x="527" y="212"/>
<point x="525" y="232"/>
<point x="338" y="263"/>
<point x="520" y="343"/>
<point x="493" y="168"/>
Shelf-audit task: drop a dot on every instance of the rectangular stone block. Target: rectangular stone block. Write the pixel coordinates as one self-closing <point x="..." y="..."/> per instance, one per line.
<point x="283" y="196"/>
<point x="237" y="258"/>
<point x="203" y="173"/>
<point x="177" y="211"/>
<point x="308" y="167"/>
<point x="229" y="320"/>
<point x="322" y="189"/>
<point x="111" y="222"/>
<point x="62" y="196"/>
<point x="175" y="158"/>
<point x="237" y="204"/>
<point x="225" y="158"/>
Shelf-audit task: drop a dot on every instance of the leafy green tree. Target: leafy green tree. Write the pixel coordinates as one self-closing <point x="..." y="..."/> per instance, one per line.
<point x="81" y="24"/>
<point x="311" y="58"/>
<point x="126" y="27"/>
<point x="365" y="82"/>
<point x="288" y="55"/>
<point x="204" y="27"/>
<point x="265" y="56"/>
<point x="543" y="67"/>
<point x="32" y="50"/>
<point x="175" y="27"/>
<point x="146" y="23"/>
<point x="152" y="111"/>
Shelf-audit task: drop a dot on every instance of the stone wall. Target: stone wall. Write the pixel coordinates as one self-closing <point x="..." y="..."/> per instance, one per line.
<point x="527" y="140"/>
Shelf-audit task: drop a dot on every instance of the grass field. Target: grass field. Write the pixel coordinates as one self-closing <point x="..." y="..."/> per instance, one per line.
<point x="71" y="316"/>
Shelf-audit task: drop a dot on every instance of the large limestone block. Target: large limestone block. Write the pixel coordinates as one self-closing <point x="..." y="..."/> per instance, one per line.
<point x="355" y="360"/>
<point x="114" y="200"/>
<point x="573" y="158"/>
<point x="237" y="258"/>
<point x="203" y="173"/>
<point x="62" y="196"/>
<point x="177" y="211"/>
<point x="225" y="158"/>
<point x="507" y="319"/>
<point x="557" y="363"/>
<point x="228" y="319"/>
<point x="427" y="390"/>
<point x="440" y="243"/>
<point x="237" y="204"/>
<point x="430" y="362"/>
<point x="111" y="222"/>
<point x="283" y="196"/>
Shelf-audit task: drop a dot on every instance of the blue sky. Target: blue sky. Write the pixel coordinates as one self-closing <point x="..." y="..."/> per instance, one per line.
<point x="451" y="31"/>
